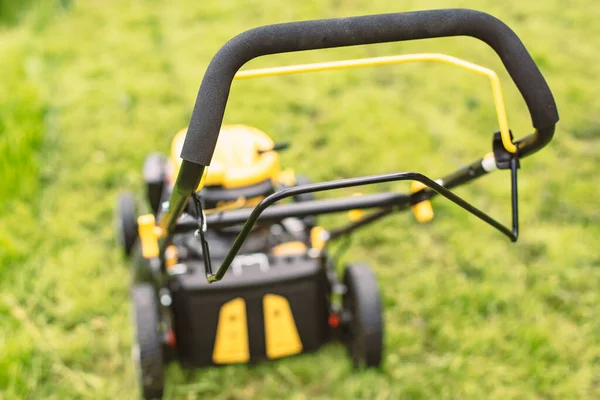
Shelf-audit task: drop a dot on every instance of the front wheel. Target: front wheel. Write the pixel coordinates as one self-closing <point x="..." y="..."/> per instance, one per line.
<point x="363" y="316"/>
<point x="148" y="347"/>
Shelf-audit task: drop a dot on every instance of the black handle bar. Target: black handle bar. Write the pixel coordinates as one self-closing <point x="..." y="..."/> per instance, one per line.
<point x="212" y="97"/>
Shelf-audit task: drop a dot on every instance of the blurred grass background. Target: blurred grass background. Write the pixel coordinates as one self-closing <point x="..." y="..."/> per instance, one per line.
<point x="89" y="87"/>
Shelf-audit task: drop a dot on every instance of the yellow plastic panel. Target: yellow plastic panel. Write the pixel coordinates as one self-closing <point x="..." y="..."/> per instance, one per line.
<point x="170" y="256"/>
<point x="231" y="343"/>
<point x="148" y="235"/>
<point x="281" y="334"/>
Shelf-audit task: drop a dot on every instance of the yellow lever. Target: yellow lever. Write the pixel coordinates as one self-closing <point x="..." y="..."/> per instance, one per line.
<point x="357" y="214"/>
<point x="318" y="237"/>
<point x="148" y="235"/>
<point x="423" y="211"/>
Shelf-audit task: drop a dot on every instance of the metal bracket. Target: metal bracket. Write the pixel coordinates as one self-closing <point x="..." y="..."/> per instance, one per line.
<point x="202" y="231"/>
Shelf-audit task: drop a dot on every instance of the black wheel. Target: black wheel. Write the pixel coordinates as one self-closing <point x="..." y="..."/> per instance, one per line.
<point x="155" y="171"/>
<point x="310" y="221"/>
<point x="126" y="222"/>
<point x="148" y="347"/>
<point x="363" y="316"/>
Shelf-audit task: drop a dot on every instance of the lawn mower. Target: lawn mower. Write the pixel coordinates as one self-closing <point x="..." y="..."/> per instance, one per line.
<point x="222" y="198"/>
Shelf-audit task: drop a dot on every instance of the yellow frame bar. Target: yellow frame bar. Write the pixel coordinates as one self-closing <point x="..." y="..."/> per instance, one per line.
<point x="388" y="60"/>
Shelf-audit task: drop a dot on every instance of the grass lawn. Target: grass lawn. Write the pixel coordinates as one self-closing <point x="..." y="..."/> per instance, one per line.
<point x="88" y="88"/>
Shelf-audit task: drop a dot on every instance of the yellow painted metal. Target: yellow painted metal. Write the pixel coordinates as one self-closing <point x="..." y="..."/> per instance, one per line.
<point x="231" y="342"/>
<point x="423" y="211"/>
<point x="281" y="335"/>
<point x="148" y="235"/>
<point x="388" y="60"/>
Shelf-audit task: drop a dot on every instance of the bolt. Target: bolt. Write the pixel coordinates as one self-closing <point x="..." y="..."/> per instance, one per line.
<point x="165" y="300"/>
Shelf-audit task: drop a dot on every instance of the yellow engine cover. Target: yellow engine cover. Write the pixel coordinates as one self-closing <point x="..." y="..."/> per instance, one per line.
<point x="236" y="162"/>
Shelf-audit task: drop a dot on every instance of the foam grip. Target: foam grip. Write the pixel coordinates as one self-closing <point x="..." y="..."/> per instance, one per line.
<point x="210" y="104"/>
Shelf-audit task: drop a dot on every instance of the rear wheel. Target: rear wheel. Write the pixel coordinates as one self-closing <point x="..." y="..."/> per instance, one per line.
<point x="363" y="316"/>
<point x="148" y="347"/>
<point x="126" y="222"/>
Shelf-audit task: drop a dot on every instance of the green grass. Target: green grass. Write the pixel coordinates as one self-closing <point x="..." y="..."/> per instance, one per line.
<point x="88" y="88"/>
